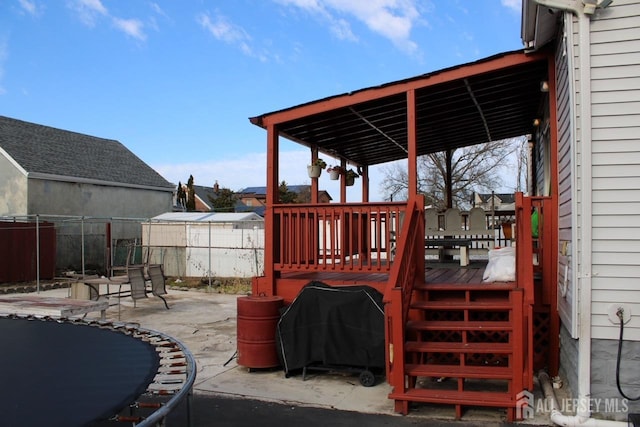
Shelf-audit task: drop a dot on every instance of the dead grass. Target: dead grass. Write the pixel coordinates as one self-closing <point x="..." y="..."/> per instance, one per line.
<point x="221" y="285"/>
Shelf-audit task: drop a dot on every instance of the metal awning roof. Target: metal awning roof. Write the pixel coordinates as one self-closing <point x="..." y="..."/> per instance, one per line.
<point x="208" y="217"/>
<point x="487" y="100"/>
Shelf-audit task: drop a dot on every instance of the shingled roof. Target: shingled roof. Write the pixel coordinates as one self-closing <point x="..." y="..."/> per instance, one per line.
<point x="50" y="153"/>
<point x="263" y="190"/>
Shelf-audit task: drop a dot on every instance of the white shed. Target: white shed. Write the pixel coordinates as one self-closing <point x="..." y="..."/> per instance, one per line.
<point x="206" y="244"/>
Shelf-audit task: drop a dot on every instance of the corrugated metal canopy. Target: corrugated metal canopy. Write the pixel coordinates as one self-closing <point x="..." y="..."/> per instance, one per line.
<point x="487" y="100"/>
<point x="208" y="217"/>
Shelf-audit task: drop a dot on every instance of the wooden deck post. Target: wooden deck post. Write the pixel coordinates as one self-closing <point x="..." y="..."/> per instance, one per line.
<point x="412" y="142"/>
<point x="314" y="181"/>
<point x="394" y="326"/>
<point x="266" y="285"/>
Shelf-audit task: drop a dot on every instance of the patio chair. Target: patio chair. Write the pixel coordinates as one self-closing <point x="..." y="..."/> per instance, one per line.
<point x="477" y="221"/>
<point x="138" y="284"/>
<point x="453" y="221"/>
<point x="158" y="282"/>
<point x="431" y="221"/>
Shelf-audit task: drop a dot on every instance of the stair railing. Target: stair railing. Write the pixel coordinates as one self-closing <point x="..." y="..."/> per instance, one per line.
<point x="524" y="249"/>
<point x="408" y="267"/>
<point x="524" y="278"/>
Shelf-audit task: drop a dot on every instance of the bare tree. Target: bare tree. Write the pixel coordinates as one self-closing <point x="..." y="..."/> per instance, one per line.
<point x="395" y="182"/>
<point x="523" y="160"/>
<point x="181" y="197"/>
<point x="191" y="195"/>
<point x="474" y="168"/>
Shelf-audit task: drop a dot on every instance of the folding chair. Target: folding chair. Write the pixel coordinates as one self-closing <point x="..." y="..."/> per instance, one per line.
<point x="158" y="282"/>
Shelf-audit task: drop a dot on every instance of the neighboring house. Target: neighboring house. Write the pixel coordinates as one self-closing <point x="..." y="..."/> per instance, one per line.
<point x="257" y="196"/>
<point x="595" y="116"/>
<point x="250" y="199"/>
<point x="204" y="195"/>
<point x="58" y="174"/>
<point x="258" y="210"/>
<point x="494" y="201"/>
<point x="252" y="196"/>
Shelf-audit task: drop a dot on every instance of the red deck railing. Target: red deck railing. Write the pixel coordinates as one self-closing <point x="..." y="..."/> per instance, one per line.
<point x="338" y="238"/>
<point x="350" y="237"/>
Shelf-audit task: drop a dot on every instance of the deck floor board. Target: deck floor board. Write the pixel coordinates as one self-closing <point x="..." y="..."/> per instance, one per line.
<point x="445" y="273"/>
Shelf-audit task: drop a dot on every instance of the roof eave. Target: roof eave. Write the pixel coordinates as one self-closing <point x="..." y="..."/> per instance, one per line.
<point x="393" y="88"/>
<point x="13" y="162"/>
<point x="538" y="26"/>
<point x="62" y="178"/>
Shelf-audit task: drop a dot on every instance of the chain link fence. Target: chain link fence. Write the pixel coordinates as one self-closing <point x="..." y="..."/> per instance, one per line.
<point x="91" y="245"/>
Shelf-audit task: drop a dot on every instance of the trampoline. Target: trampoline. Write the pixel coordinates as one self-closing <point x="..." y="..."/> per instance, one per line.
<point x="62" y="372"/>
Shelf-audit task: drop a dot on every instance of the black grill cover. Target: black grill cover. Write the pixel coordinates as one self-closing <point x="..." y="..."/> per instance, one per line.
<point x="332" y="326"/>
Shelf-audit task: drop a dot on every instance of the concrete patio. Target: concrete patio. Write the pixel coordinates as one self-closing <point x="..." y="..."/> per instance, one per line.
<point x="205" y="322"/>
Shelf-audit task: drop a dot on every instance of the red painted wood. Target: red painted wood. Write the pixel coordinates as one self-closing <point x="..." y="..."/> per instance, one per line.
<point x="461" y="288"/>
<point x="472" y="339"/>
<point x="353" y="98"/>
<point x="471" y="398"/>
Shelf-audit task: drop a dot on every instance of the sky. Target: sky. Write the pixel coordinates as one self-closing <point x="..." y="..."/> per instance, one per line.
<point x="176" y="81"/>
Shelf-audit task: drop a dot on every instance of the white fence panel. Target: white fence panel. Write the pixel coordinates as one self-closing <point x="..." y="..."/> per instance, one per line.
<point x="224" y="252"/>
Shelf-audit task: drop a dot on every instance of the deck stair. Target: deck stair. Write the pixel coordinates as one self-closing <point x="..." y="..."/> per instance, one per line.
<point x="463" y="346"/>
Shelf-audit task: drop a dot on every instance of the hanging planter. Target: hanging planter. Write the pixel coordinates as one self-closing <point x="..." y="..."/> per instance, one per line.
<point x="334" y="172"/>
<point x="315" y="170"/>
<point x="350" y="177"/>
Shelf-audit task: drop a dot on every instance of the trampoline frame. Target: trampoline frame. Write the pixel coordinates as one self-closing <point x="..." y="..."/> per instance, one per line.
<point x="173" y="349"/>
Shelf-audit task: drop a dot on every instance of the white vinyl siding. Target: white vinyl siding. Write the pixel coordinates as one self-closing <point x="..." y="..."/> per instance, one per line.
<point x="615" y="145"/>
<point x="566" y="290"/>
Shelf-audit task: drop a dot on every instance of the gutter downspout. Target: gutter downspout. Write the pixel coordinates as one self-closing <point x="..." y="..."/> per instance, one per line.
<point x="583" y="415"/>
<point x="565" y="420"/>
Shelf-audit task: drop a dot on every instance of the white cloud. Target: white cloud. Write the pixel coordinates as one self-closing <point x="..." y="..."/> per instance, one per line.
<point x="223" y="29"/>
<point x="515" y="5"/>
<point x="342" y="30"/>
<point x="131" y="27"/>
<point x="158" y="10"/>
<point x="233" y="173"/>
<point x="339" y="27"/>
<point x="30" y="7"/>
<point x="392" y="19"/>
<point x="88" y="10"/>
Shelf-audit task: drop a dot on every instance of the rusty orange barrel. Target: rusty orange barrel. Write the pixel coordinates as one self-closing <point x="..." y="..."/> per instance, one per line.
<point x="257" y="321"/>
